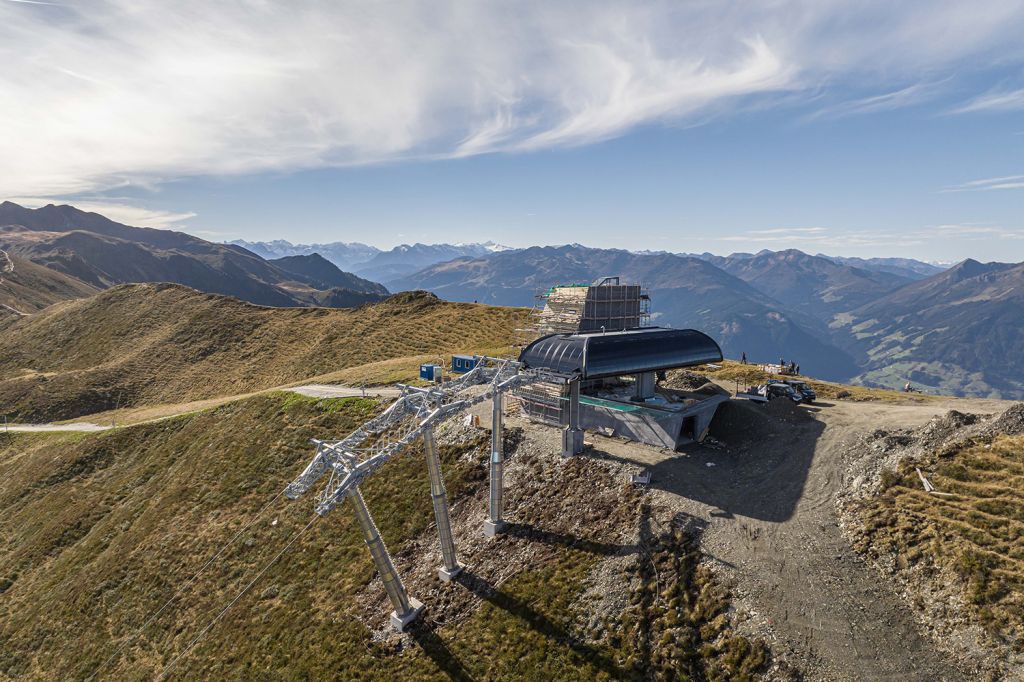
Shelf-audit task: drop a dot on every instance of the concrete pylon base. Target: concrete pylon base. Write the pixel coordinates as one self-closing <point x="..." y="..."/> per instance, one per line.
<point x="491" y="528"/>
<point x="400" y="623"/>
<point x="572" y="442"/>
<point x="446" y="576"/>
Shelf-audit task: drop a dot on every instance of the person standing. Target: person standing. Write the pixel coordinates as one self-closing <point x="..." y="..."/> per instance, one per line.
<point x="743" y="358"/>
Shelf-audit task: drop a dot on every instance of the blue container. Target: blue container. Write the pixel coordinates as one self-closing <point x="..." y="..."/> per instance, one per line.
<point x="463" y="363"/>
<point x="430" y="372"/>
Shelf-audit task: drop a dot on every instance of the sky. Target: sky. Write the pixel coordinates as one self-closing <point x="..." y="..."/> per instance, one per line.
<point x="867" y="128"/>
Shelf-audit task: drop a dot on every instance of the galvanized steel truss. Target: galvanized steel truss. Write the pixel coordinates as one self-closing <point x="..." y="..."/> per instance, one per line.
<point x="347" y="463"/>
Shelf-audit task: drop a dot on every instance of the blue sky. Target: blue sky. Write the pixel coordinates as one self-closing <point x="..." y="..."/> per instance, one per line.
<point x="888" y="129"/>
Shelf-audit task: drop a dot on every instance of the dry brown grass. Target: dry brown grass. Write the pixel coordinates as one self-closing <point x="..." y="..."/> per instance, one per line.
<point x="976" y="534"/>
<point x="27" y="287"/>
<point x="150" y="344"/>
<point x="97" y="531"/>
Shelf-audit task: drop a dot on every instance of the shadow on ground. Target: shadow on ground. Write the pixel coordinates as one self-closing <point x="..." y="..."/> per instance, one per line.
<point x="760" y="472"/>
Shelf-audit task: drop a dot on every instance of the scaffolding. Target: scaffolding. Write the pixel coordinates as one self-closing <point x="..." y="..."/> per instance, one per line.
<point x="606" y="304"/>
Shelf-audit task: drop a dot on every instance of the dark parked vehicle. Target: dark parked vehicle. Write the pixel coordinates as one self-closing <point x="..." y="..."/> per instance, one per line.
<point x="803" y="389"/>
<point x="778" y="389"/>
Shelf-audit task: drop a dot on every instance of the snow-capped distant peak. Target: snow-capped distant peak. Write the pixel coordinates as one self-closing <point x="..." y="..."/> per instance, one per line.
<point x="486" y="246"/>
<point x="496" y="248"/>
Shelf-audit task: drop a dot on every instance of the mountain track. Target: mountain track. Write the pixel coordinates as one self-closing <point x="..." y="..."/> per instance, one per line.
<point x="768" y="503"/>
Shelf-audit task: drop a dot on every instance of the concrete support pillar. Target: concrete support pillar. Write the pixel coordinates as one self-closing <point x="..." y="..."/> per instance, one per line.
<point x="572" y="436"/>
<point x="645" y="384"/>
<point x="439" y="497"/>
<point x="494" y="523"/>
<point x="406" y="608"/>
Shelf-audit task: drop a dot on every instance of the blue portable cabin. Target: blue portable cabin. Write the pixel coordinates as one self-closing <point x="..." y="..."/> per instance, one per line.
<point x="430" y="372"/>
<point x="463" y="363"/>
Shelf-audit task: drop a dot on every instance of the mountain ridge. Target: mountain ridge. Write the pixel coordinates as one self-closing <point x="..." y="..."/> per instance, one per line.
<point x="104" y="253"/>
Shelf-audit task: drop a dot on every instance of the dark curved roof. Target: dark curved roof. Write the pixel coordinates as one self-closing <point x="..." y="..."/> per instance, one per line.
<point x="597" y="355"/>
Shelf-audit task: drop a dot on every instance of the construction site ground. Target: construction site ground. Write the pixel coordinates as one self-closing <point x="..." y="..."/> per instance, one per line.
<point x="763" y="490"/>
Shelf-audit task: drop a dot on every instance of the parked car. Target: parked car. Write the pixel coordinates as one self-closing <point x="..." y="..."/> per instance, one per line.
<point x="778" y="389"/>
<point x="803" y="389"/>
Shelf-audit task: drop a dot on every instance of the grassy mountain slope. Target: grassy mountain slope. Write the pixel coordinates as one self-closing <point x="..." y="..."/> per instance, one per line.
<point x="160" y="343"/>
<point x="685" y="292"/>
<point x="98" y="532"/>
<point x="104" y="253"/>
<point x="26" y="287"/>
<point x="956" y="332"/>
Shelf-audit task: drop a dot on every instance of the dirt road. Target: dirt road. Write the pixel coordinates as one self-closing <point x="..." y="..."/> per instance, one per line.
<point x="334" y="391"/>
<point x="42" y="428"/>
<point x="765" y="495"/>
<point x="145" y="415"/>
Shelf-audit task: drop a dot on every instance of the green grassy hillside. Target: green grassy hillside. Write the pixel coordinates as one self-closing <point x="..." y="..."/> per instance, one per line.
<point x="162" y="343"/>
<point x="99" y="531"/>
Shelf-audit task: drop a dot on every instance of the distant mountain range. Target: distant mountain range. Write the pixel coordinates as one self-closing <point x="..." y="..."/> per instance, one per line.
<point x="370" y="262"/>
<point x="686" y="292"/>
<point x="904" y="267"/>
<point x="815" y="285"/>
<point x="880" y="321"/>
<point x="100" y="253"/>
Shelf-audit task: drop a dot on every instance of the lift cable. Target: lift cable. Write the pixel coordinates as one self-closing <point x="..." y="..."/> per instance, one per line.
<point x="185" y="585"/>
<point x="195" y="640"/>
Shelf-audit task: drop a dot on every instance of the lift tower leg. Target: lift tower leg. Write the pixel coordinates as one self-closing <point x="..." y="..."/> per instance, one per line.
<point x="406" y="608"/>
<point x="494" y="523"/>
<point x="572" y="435"/>
<point x="439" y="497"/>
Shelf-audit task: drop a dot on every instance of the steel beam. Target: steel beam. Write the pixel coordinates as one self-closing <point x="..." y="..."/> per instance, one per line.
<point x="495" y="524"/>
<point x="572" y="435"/>
<point x="439" y="497"/>
<point x="406" y="608"/>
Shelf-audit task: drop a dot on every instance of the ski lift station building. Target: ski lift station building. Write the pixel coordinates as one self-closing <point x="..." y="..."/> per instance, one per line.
<point x="610" y="385"/>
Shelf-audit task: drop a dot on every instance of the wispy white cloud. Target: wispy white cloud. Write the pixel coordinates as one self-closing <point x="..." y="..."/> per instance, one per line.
<point x="102" y="93"/>
<point x="789" y="231"/>
<point x="988" y="184"/>
<point x="1006" y="100"/>
<point x="819" y="237"/>
<point x="896" y="99"/>
<point x="973" y="231"/>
